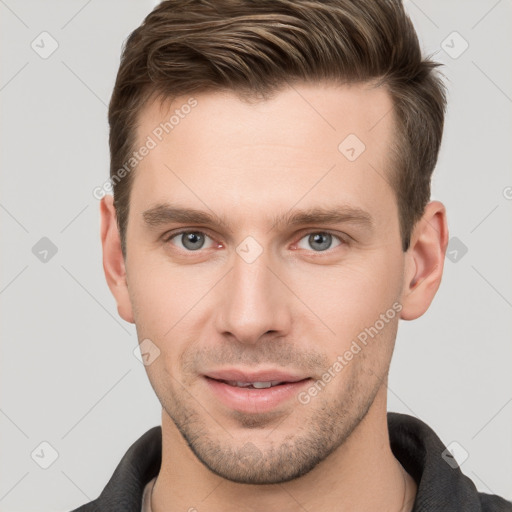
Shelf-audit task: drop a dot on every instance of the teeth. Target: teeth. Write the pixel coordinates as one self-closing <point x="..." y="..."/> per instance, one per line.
<point x="260" y="385"/>
<point x="257" y="385"/>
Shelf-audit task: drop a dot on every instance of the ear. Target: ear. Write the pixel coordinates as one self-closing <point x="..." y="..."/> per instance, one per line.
<point x="424" y="261"/>
<point x="113" y="261"/>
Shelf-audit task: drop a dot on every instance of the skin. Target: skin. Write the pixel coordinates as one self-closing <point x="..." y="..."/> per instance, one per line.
<point x="296" y="307"/>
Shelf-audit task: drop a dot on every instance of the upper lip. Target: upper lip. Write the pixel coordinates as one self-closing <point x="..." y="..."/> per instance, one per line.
<point x="259" y="376"/>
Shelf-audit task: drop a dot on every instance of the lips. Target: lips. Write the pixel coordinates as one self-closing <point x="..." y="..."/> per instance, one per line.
<point x="255" y="392"/>
<point x="240" y="376"/>
<point x="254" y="385"/>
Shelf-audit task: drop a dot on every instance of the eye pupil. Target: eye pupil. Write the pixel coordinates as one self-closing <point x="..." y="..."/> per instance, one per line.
<point x="317" y="238"/>
<point x="191" y="238"/>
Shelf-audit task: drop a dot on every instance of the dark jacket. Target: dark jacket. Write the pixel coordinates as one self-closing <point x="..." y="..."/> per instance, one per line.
<point x="442" y="487"/>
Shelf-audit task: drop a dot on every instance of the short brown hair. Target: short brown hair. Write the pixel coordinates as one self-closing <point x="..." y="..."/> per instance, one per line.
<point x="255" y="47"/>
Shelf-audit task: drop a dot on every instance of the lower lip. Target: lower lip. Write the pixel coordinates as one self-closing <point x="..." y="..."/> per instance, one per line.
<point x="254" y="400"/>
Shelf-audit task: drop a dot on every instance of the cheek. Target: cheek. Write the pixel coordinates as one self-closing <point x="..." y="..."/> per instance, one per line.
<point x="171" y="309"/>
<point x="163" y="294"/>
<point x="349" y="297"/>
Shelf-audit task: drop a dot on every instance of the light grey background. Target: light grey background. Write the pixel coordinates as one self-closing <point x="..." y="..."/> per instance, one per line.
<point x="68" y="373"/>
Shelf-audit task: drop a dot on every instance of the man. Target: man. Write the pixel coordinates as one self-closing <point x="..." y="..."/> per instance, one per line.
<point x="270" y="225"/>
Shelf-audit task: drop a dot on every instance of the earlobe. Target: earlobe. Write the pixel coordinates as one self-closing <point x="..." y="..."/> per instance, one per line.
<point x="113" y="261"/>
<point x="424" y="261"/>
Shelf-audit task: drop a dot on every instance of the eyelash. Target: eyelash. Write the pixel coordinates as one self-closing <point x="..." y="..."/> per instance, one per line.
<point x="341" y="239"/>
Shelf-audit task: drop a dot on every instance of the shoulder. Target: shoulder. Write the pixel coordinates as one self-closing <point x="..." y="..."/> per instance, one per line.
<point x="494" y="503"/>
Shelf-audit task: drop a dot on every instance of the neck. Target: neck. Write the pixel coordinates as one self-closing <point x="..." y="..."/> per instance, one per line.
<point x="362" y="474"/>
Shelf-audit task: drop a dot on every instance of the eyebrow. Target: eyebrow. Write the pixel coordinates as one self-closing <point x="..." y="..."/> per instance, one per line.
<point x="164" y="213"/>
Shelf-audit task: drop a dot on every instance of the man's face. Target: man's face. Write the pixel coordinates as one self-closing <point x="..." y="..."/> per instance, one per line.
<point x="252" y="295"/>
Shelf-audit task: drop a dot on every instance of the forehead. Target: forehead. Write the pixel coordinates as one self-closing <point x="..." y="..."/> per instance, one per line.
<point x="307" y="143"/>
<point x="326" y="107"/>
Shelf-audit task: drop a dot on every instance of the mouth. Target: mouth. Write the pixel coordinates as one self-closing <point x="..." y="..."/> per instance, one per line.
<point x="243" y="378"/>
<point x="254" y="385"/>
<point x="254" y="393"/>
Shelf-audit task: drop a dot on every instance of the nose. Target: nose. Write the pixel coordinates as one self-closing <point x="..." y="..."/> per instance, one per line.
<point x="254" y="301"/>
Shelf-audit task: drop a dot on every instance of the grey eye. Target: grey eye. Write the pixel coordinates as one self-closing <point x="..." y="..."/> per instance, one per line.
<point x="192" y="241"/>
<point x="189" y="240"/>
<point x="319" y="241"/>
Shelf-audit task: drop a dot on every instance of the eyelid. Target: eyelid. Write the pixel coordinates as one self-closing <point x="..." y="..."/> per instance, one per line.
<point x="342" y="237"/>
<point x="171" y="234"/>
<point x="167" y="237"/>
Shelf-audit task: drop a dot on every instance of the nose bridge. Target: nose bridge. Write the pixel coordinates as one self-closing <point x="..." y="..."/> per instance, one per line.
<point x="254" y="302"/>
